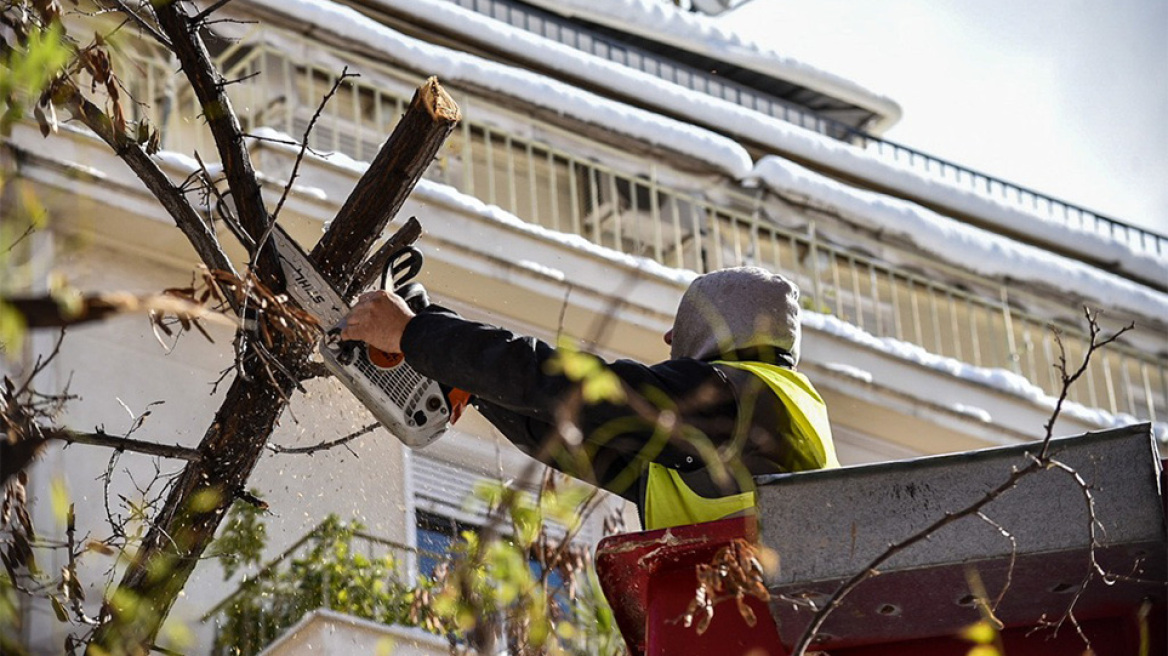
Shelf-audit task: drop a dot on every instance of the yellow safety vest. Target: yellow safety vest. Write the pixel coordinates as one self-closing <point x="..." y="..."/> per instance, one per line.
<point x="670" y="502"/>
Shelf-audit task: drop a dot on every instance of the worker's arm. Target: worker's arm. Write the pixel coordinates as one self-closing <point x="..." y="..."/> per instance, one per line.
<point x="599" y="466"/>
<point x="515" y="375"/>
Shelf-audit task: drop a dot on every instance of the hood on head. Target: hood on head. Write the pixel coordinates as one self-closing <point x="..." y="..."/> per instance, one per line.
<point x="737" y="309"/>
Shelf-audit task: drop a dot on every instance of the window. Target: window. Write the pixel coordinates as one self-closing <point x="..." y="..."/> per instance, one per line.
<point x="442" y="514"/>
<point x="436" y="535"/>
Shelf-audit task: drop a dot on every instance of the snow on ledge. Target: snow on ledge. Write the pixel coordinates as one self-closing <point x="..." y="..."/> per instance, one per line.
<point x="971" y="248"/>
<point x="666" y="23"/>
<point x="977" y="413"/>
<point x="995" y="378"/>
<point x="720" y="152"/>
<point x="848" y="159"/>
<point x="349" y="25"/>
<point x="849" y="371"/>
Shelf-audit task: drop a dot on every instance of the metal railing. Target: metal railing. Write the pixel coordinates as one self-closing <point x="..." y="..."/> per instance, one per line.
<point x="962" y="316"/>
<point x="564" y="31"/>
<point x="1138" y="239"/>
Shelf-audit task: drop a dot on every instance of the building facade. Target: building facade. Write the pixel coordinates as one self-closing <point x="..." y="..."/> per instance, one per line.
<point x="609" y="152"/>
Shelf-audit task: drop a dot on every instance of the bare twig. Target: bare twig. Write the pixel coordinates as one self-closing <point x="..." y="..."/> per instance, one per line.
<point x="1093" y="542"/>
<point x="140" y="22"/>
<point x="1013" y="559"/>
<point x="345" y="74"/>
<point x="286" y="142"/>
<point x="1067" y="379"/>
<point x="27" y="231"/>
<point x="201" y="16"/>
<point x="101" y="438"/>
<point x="325" y="445"/>
<point x="245" y="78"/>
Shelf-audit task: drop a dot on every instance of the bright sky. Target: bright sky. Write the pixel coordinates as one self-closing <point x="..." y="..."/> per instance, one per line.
<point x="1068" y="97"/>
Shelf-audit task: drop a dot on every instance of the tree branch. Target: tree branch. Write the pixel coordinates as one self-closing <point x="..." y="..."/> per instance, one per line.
<point x="54" y="312"/>
<point x="220" y="115"/>
<point x="102" y="438"/>
<point x="387" y="183"/>
<point x="1068" y="379"/>
<point x="325" y="445"/>
<point x="369" y="270"/>
<point x="201" y="236"/>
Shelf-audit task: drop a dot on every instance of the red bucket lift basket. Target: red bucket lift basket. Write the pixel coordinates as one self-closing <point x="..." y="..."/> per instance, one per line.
<point x="826" y="526"/>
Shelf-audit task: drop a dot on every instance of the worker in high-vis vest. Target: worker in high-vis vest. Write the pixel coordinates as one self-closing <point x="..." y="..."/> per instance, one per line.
<point x="682" y="439"/>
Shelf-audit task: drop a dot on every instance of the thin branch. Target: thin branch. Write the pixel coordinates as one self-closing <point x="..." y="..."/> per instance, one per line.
<point x="325" y="445"/>
<point x="345" y="74"/>
<point x="285" y="142"/>
<point x="119" y="443"/>
<point x="1093" y="542"/>
<point x="201" y="16"/>
<point x="27" y="231"/>
<point x="206" y="82"/>
<point x="41" y="363"/>
<point x="1013" y="560"/>
<point x="141" y="23"/>
<point x="1067" y="380"/>
<point x="245" y="78"/>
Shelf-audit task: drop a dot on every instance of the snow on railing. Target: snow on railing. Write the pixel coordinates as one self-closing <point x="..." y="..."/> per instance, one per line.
<point x="637" y="213"/>
<point x="1067" y="214"/>
<point x="561" y="30"/>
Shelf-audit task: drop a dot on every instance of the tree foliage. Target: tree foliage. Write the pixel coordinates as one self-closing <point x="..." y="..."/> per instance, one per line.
<point x="507" y="580"/>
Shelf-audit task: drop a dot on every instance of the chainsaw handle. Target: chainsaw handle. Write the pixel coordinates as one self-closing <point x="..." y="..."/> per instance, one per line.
<point x="345" y="350"/>
<point x="401" y="267"/>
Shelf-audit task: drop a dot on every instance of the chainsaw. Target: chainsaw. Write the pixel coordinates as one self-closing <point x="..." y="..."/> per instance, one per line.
<point x="415" y="409"/>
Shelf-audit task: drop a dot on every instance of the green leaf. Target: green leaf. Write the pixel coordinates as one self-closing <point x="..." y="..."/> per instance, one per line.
<point x="59" y="495"/>
<point x="26" y="73"/>
<point x="12" y="329"/>
<point x="205" y="500"/>
<point x="981" y="633"/>
<point x="58" y="609"/>
<point x="597" y="382"/>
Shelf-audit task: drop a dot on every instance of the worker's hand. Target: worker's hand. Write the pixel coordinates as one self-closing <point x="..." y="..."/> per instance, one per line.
<point x="378" y="319"/>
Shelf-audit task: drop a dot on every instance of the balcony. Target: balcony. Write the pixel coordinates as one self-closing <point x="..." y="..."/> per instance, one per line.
<point x="551" y="177"/>
<point x="341" y="586"/>
<point x="305" y="578"/>
<point x="793" y="104"/>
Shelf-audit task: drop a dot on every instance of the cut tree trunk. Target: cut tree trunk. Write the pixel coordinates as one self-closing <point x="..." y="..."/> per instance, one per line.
<point x="204" y="491"/>
<point x="423" y="129"/>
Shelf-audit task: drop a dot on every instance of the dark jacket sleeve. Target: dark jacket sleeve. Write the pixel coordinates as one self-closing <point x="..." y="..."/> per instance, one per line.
<point x="520" y="394"/>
